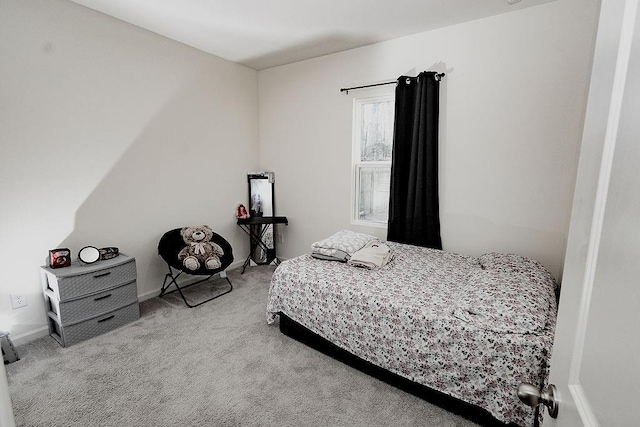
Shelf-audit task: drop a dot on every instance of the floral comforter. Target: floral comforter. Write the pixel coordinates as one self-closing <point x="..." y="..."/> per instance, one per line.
<point x="473" y="328"/>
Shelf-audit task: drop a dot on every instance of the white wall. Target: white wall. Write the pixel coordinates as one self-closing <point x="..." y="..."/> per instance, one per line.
<point x="109" y="136"/>
<point x="512" y="107"/>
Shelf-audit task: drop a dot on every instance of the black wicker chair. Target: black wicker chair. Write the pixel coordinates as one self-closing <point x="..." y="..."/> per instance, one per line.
<point x="170" y="245"/>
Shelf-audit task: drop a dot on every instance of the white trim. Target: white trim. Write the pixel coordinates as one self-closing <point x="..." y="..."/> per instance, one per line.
<point x="357" y="168"/>
<point x="29" y="336"/>
<point x="583" y="406"/>
<point x="355" y="156"/>
<point x="613" y="120"/>
<point x="367" y="223"/>
<point x="148" y="295"/>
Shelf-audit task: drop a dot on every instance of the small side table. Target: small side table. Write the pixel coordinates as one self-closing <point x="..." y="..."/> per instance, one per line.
<point x="257" y="229"/>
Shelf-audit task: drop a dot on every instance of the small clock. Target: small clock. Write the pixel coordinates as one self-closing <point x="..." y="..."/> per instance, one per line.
<point x="89" y="255"/>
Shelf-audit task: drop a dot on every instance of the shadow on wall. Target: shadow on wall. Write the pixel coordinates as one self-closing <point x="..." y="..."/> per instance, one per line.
<point x="187" y="167"/>
<point x="475" y="234"/>
<point x="441" y="67"/>
<point x="475" y="231"/>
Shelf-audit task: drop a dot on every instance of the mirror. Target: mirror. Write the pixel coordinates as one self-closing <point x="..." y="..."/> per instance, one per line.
<point x="89" y="254"/>
<point x="261" y="194"/>
<point x="261" y="204"/>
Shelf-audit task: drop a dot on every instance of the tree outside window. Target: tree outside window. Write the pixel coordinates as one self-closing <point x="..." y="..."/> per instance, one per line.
<point x="372" y="147"/>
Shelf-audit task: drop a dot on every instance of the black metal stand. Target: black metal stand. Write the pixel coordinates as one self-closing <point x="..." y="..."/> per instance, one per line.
<point x="256" y="228"/>
<point x="173" y="280"/>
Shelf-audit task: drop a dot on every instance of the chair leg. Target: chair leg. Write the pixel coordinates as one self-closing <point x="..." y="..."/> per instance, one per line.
<point x="165" y="286"/>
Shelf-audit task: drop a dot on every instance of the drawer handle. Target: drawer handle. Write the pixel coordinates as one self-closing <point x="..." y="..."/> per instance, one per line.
<point x="102" y="297"/>
<point x="101" y="274"/>
<point x="107" y="318"/>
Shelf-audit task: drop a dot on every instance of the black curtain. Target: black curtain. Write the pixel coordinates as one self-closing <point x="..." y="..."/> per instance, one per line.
<point x="414" y="216"/>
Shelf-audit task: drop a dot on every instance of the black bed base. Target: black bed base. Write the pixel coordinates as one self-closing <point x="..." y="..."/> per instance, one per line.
<point x="471" y="412"/>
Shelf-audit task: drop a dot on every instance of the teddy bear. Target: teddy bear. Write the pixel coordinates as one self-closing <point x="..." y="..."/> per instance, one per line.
<point x="199" y="250"/>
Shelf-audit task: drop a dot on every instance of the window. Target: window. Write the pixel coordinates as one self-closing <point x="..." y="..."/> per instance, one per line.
<point x="372" y="149"/>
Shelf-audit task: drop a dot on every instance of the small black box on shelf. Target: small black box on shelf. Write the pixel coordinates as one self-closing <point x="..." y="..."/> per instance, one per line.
<point x="60" y="257"/>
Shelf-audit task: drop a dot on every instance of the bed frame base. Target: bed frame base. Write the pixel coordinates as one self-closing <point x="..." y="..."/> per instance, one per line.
<point x="471" y="412"/>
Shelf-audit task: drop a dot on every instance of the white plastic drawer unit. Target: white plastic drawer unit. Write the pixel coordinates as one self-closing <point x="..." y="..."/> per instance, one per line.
<point x="85" y="300"/>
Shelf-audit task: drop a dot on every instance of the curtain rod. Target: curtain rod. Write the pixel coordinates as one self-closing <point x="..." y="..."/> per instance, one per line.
<point x="437" y="76"/>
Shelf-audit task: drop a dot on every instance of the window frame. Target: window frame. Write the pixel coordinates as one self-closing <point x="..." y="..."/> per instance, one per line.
<point x="357" y="164"/>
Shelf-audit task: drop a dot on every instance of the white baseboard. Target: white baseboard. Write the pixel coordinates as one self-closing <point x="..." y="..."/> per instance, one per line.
<point x="583" y="406"/>
<point x="148" y="295"/>
<point x="29" y="336"/>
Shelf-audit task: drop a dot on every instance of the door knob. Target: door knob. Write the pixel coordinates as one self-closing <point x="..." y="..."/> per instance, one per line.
<point x="530" y="395"/>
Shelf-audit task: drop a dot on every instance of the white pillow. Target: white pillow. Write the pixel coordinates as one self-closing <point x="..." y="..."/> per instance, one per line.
<point x="506" y="301"/>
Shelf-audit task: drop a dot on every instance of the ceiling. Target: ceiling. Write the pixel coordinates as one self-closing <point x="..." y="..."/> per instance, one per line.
<point x="266" y="33"/>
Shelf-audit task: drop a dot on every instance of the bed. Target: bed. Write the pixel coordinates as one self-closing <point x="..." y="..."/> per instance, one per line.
<point x="470" y="328"/>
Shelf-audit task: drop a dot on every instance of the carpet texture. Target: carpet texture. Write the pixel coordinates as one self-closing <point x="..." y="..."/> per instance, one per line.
<point x="219" y="364"/>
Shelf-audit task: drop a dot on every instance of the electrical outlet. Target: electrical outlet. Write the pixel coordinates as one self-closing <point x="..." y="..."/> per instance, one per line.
<point x="280" y="238"/>
<point x="18" y="300"/>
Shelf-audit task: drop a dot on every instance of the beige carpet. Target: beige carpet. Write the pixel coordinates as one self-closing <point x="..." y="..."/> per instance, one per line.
<point x="219" y="364"/>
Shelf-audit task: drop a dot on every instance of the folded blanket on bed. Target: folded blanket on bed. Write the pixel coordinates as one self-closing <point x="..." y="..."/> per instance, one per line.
<point x="372" y="256"/>
<point x="340" y="245"/>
